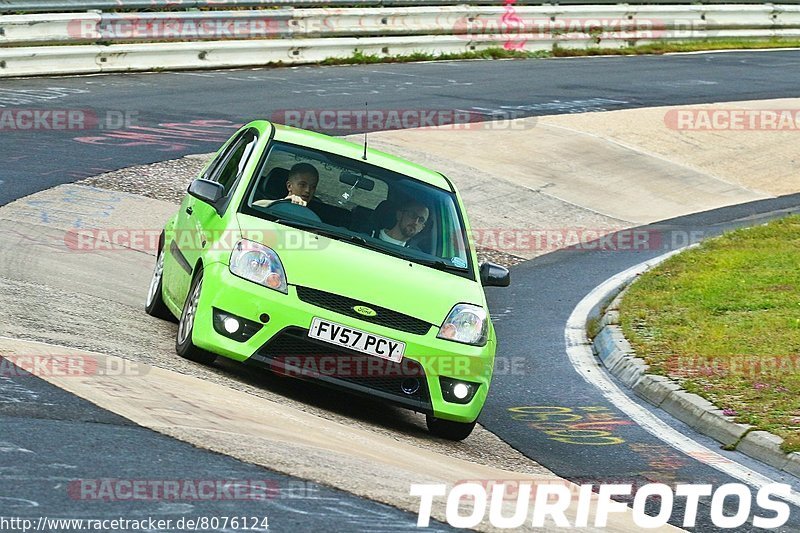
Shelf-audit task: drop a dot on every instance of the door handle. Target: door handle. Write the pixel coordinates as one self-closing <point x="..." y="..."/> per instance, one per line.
<point x="189" y="210"/>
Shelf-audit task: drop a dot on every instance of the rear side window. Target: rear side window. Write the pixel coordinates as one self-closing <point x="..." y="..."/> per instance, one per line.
<point x="233" y="162"/>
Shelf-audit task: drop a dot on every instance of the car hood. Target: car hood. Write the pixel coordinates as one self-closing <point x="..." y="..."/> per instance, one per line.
<point x="363" y="274"/>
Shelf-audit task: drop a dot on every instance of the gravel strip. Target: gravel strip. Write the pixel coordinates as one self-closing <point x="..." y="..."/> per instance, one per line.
<point x="166" y="181"/>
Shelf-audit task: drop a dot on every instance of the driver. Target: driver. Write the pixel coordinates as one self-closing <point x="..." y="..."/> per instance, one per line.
<point x="301" y="185"/>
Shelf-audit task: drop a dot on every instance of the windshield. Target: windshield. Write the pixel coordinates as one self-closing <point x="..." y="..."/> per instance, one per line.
<point x="363" y="204"/>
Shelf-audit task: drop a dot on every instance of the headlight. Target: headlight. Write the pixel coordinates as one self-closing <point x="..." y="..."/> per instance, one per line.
<point x="466" y="323"/>
<point x="259" y="264"/>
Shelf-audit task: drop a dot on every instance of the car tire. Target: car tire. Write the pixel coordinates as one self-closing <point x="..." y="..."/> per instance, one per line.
<point x="447" y="429"/>
<point x="183" y="340"/>
<point x="154" y="305"/>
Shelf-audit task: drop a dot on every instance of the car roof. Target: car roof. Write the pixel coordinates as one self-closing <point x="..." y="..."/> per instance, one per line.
<point x="345" y="148"/>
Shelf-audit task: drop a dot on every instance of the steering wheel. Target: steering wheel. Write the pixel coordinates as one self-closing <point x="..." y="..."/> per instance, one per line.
<point x="286" y="207"/>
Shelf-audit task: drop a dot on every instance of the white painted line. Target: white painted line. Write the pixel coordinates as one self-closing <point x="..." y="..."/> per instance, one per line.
<point x="730" y="50"/>
<point x="580" y="354"/>
<point x="194" y="74"/>
<point x="389" y="72"/>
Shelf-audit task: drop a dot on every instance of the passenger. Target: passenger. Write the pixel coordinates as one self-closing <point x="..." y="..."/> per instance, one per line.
<point x="410" y="220"/>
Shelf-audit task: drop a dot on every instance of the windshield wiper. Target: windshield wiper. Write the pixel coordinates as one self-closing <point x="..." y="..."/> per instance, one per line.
<point x="357" y="239"/>
<point x="440" y="264"/>
<point x="310" y="227"/>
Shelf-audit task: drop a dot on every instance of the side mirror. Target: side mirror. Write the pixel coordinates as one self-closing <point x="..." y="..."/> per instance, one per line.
<point x="208" y="191"/>
<point x="493" y="275"/>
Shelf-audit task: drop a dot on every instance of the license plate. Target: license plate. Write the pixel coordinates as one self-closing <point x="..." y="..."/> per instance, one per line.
<point x="357" y="340"/>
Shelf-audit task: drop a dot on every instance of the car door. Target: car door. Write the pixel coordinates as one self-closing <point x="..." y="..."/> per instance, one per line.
<point x="199" y="223"/>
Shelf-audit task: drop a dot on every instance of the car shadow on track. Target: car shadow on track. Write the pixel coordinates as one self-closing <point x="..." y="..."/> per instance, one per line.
<point x="369" y="410"/>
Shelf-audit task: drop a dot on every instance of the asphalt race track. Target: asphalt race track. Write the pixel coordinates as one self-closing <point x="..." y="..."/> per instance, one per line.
<point x="530" y="315"/>
<point x="162" y="104"/>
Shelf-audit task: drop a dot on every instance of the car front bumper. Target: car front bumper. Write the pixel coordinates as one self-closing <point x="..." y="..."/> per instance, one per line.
<point x="283" y="345"/>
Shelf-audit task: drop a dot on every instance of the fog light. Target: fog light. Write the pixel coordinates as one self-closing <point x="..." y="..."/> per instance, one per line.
<point x="410" y="386"/>
<point x="457" y="391"/>
<point x="234" y="327"/>
<point x="231" y="325"/>
<point x="460" y="391"/>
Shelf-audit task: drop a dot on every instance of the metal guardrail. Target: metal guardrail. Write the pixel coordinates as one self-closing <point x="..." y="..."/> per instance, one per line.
<point x="55" y="6"/>
<point x="64" y="43"/>
<point x="529" y="23"/>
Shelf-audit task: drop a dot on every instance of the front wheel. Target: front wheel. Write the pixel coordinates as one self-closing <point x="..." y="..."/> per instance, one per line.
<point x="183" y="344"/>
<point x="447" y="429"/>
<point x="154" y="305"/>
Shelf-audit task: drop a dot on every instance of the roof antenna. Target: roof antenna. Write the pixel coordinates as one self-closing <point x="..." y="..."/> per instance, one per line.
<point x="366" y="107"/>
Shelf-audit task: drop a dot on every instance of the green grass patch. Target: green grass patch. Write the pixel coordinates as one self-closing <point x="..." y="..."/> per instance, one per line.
<point x="724" y="320"/>
<point x="688" y="46"/>
<point x="360" y="58"/>
<point x="593" y="326"/>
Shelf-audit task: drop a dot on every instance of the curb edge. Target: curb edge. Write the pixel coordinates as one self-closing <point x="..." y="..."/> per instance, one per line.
<point x="618" y="357"/>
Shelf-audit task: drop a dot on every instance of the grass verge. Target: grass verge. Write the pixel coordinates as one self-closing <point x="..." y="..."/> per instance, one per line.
<point x="360" y="58"/>
<point x="723" y="319"/>
<point x="688" y="46"/>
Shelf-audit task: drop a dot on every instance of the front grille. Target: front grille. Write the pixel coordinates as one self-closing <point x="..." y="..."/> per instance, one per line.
<point x="344" y="306"/>
<point x="293" y="353"/>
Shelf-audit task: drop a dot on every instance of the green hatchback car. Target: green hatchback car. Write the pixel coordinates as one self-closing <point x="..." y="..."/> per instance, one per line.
<point x="324" y="260"/>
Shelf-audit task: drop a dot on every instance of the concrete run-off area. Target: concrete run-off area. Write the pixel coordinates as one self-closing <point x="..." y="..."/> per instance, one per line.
<point x="610" y="170"/>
